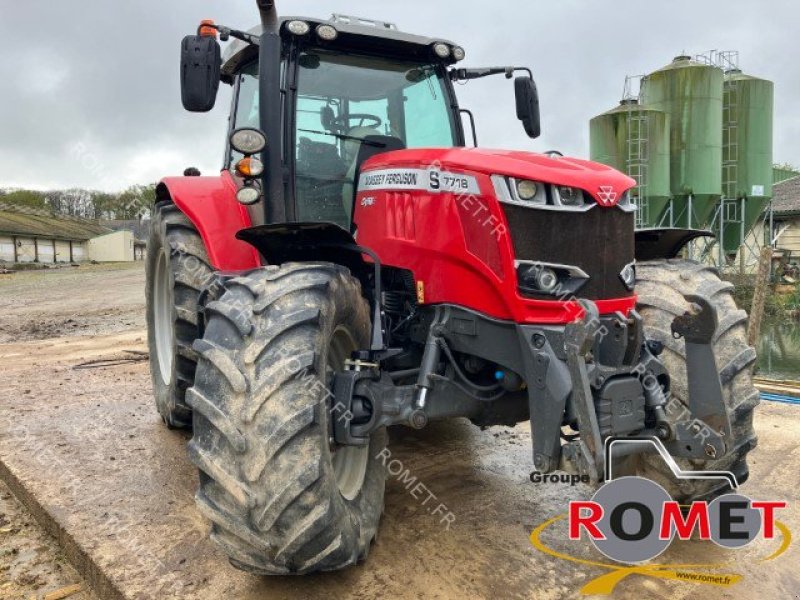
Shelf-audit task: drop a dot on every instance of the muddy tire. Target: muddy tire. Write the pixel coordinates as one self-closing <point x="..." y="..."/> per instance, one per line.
<point x="280" y="499"/>
<point x="177" y="270"/>
<point x="661" y="286"/>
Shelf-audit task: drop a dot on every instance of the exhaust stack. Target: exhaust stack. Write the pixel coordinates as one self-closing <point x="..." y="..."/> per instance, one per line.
<point x="269" y="81"/>
<point x="269" y="15"/>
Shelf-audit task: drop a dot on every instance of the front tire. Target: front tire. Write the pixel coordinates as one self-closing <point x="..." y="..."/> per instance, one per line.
<point x="177" y="270"/>
<point x="281" y="499"/>
<point x="661" y="286"/>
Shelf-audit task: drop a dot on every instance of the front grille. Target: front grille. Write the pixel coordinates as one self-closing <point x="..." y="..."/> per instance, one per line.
<point x="599" y="241"/>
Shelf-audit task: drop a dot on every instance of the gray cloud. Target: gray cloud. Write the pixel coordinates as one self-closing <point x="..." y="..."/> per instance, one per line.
<point x="102" y="76"/>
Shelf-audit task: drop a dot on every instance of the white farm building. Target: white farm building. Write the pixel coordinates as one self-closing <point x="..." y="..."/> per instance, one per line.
<point x="31" y="236"/>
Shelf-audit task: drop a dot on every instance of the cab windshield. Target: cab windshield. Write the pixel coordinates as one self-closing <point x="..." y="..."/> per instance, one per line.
<point x="344" y="99"/>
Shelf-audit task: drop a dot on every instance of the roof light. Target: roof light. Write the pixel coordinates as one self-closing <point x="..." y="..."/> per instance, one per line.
<point x="459" y="53"/>
<point x="298" y="27"/>
<point x="207" y="29"/>
<point x="442" y="50"/>
<point x="327" y="32"/>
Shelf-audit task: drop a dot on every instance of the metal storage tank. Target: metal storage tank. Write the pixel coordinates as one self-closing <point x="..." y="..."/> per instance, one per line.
<point x="747" y="172"/>
<point x="691" y="93"/>
<point x="634" y="139"/>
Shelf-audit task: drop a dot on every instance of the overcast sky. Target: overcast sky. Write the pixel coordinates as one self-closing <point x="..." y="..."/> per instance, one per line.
<point x="90" y="93"/>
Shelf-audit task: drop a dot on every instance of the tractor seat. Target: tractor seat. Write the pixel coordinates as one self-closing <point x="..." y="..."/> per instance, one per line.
<point x="356" y="153"/>
<point x="319" y="160"/>
<point x="320" y="177"/>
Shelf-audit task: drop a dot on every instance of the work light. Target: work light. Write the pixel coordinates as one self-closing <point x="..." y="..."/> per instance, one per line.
<point x="298" y="27"/>
<point x="442" y="50"/>
<point x="327" y="33"/>
<point x="248" y="141"/>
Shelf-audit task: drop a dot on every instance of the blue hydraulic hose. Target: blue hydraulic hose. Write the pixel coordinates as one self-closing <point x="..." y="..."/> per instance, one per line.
<point x="780" y="398"/>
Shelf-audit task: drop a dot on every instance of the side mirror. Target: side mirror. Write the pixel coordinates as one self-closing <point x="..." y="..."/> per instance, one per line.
<point x="201" y="62"/>
<point x="528" y="106"/>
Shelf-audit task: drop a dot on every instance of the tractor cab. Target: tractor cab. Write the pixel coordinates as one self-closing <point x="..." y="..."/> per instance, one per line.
<point x="348" y="88"/>
<point x="349" y="107"/>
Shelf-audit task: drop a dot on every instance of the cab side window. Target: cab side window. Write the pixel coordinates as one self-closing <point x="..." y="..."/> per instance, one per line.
<point x="247" y="105"/>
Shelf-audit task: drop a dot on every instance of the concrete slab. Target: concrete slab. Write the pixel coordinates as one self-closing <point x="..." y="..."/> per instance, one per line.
<point x="87" y="454"/>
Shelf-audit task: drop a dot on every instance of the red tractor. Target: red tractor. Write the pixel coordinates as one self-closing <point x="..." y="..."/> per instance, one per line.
<point x="355" y="266"/>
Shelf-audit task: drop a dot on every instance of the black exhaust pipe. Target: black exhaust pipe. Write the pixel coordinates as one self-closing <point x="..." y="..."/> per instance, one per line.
<point x="269" y="15"/>
<point x="269" y="60"/>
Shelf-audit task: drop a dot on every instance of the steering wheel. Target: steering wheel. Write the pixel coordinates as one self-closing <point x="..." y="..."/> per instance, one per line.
<point x="364" y="119"/>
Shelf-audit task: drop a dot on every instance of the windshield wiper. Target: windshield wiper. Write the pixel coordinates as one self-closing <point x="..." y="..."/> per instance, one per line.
<point x="342" y="136"/>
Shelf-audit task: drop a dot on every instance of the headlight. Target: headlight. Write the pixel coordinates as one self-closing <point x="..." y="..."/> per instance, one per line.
<point x="459" y="53"/>
<point x="249" y="195"/>
<point x="542" y="196"/>
<point x="248" y="141"/>
<point x="627" y="204"/>
<point x="570" y="196"/>
<point x="549" y="279"/>
<point x="546" y="280"/>
<point x="526" y="189"/>
<point x="628" y="276"/>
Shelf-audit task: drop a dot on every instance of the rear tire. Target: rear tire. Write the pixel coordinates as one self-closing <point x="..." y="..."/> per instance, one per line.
<point x="661" y="286"/>
<point x="177" y="270"/>
<point x="280" y="498"/>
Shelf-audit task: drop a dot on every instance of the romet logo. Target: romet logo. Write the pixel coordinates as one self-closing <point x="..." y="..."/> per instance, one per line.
<point x="632" y="520"/>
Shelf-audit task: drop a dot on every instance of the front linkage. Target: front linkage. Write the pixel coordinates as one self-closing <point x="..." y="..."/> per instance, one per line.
<point x="598" y="375"/>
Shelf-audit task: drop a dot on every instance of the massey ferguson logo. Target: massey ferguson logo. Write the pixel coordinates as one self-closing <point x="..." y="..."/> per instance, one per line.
<point x="607" y="195"/>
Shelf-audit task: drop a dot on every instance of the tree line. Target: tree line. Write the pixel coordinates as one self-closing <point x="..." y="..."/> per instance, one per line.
<point x="129" y="204"/>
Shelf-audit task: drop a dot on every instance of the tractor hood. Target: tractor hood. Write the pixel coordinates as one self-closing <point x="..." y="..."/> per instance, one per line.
<point x="604" y="184"/>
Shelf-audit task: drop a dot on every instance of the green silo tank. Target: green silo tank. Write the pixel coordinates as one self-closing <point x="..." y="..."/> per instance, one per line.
<point x="634" y="139"/>
<point x="747" y="174"/>
<point x="690" y="93"/>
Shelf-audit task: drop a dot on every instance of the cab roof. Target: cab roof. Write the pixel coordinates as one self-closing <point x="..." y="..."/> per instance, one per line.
<point x="355" y="33"/>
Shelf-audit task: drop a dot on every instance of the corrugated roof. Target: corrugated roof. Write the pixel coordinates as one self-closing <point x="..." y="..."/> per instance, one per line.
<point x="786" y="197"/>
<point x="39" y="225"/>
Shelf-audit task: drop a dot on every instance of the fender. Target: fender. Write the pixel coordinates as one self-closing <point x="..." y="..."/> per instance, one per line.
<point x="306" y="242"/>
<point x="210" y="204"/>
<point x="653" y="244"/>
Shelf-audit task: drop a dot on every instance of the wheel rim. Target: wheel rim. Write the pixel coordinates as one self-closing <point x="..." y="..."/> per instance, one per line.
<point x="162" y="318"/>
<point x="349" y="462"/>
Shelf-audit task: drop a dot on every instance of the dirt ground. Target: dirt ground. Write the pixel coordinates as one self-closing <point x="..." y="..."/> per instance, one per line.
<point x="31" y="563"/>
<point x="86" y="450"/>
<point x="86" y="300"/>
